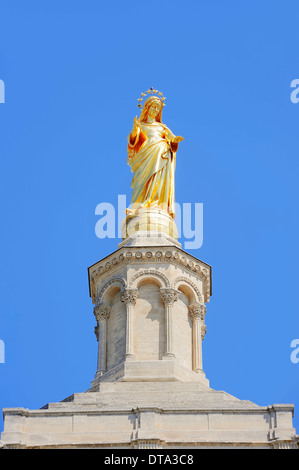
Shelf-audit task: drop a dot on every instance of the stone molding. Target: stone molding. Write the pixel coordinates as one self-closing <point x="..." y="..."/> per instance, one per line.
<point x="115" y="280"/>
<point x="150" y="272"/>
<point x="190" y="284"/>
<point x="294" y="444"/>
<point x="147" y="444"/>
<point x="144" y="255"/>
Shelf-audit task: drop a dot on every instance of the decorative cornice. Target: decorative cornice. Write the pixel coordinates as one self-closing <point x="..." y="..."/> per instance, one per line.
<point x="142" y="255"/>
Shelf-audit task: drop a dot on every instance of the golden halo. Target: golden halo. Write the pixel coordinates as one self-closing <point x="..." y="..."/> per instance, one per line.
<point x="151" y="92"/>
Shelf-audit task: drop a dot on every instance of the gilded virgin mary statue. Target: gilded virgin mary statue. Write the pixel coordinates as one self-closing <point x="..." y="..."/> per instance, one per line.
<point x="152" y="151"/>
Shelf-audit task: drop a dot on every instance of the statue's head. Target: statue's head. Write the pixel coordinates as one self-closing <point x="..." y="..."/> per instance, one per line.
<point x="152" y="105"/>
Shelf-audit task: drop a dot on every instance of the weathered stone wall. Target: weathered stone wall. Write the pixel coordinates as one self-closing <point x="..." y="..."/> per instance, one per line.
<point x="149" y="323"/>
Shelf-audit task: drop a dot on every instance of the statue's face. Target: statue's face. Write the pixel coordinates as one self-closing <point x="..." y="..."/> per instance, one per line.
<point x="154" y="109"/>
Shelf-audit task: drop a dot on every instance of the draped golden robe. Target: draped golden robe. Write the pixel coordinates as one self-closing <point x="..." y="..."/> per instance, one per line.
<point x="151" y="156"/>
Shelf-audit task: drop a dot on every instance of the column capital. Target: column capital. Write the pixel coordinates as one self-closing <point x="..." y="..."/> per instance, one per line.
<point x="101" y="312"/>
<point x="169" y="296"/>
<point x="197" y="311"/>
<point x="129" y="296"/>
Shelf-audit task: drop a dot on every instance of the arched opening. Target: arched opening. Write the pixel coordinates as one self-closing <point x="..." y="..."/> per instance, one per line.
<point x="110" y="294"/>
<point x="149" y="280"/>
<point x="189" y="288"/>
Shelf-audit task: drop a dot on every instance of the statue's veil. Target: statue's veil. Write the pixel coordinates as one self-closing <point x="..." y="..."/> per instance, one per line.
<point x="146" y="106"/>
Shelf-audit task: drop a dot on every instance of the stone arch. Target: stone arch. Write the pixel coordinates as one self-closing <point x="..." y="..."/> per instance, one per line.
<point x="189" y="288"/>
<point x="110" y="289"/>
<point x="160" y="278"/>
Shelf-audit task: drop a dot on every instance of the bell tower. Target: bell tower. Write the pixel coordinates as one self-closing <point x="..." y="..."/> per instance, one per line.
<point x="149" y="299"/>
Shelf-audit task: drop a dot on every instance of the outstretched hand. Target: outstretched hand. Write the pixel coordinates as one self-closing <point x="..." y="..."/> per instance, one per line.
<point x="177" y="139"/>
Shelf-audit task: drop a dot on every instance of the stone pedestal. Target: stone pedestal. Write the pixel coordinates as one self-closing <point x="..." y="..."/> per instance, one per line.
<point x="150" y="222"/>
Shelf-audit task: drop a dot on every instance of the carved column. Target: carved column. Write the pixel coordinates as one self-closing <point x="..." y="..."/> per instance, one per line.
<point x="102" y="313"/>
<point x="129" y="298"/>
<point x="197" y="312"/>
<point x="169" y="296"/>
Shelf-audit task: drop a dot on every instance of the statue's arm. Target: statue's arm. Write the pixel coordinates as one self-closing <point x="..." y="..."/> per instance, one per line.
<point x="135" y="133"/>
<point x="172" y="139"/>
<point x="135" y="139"/>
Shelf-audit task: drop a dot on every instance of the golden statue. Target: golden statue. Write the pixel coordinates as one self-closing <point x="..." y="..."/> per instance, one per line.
<point x="152" y="151"/>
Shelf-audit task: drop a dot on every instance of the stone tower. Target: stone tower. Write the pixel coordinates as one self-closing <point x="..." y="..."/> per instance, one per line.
<point x="150" y="390"/>
<point x="150" y="309"/>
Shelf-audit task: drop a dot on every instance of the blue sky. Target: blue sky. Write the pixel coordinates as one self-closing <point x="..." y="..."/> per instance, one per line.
<point x="73" y="71"/>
